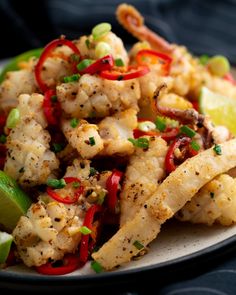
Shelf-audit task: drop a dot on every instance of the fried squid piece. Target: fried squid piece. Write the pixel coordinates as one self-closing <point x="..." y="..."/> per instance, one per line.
<point x="16" y="83"/>
<point x="84" y="138"/>
<point x="133" y="22"/>
<point x="93" y="96"/>
<point x="87" y="46"/>
<point x="29" y="159"/>
<point x="48" y="231"/>
<point x="115" y="132"/>
<point x="172" y="194"/>
<point x="143" y="174"/>
<point x="214" y="203"/>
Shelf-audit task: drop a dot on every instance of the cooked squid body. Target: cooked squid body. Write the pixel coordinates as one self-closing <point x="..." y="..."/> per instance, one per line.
<point x="93" y="96"/>
<point x="32" y="106"/>
<point x="47" y="232"/>
<point x="16" y="83"/>
<point x="115" y="132"/>
<point x="214" y="203"/>
<point x="143" y="174"/>
<point x="84" y="138"/>
<point x="87" y="46"/>
<point x="171" y="195"/>
<point x="29" y="159"/>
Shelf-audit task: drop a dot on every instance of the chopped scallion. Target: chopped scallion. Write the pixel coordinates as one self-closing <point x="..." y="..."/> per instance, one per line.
<point x="57" y="147"/>
<point x="102" y="49"/>
<point x="13" y="118"/>
<point x="160" y="123"/>
<point x="119" y="62"/>
<point x="101" y="30"/>
<point x="74" y="122"/>
<point x="138" y="245"/>
<point x="217" y="149"/>
<point x="140" y="142"/>
<point x="96" y="266"/>
<point x="84" y="64"/>
<point x="188" y="131"/>
<point x="76" y="184"/>
<point x="85" y="230"/>
<point x="3" y="138"/>
<point x="203" y="59"/>
<point x="195" y="146"/>
<point x="93" y="171"/>
<point x="146" y="126"/>
<point x="72" y="78"/>
<point x="87" y="42"/>
<point x="56" y="183"/>
<point x="92" y="141"/>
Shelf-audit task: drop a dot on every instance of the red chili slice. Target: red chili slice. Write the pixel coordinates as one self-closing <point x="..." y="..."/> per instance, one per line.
<point x="138" y="133"/>
<point x="103" y="64"/>
<point x="51" y="109"/>
<point x="147" y="56"/>
<point x="112" y="186"/>
<point x="229" y="77"/>
<point x="47" y="52"/>
<point x="68" y="199"/>
<point x="70" y="263"/>
<point x="168" y="135"/>
<point x="88" y="221"/>
<point x="170" y="156"/>
<point x="131" y="73"/>
<point x="2" y="123"/>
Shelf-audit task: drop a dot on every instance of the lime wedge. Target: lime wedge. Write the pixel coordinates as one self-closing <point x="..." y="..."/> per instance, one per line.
<point x="5" y="246"/>
<point x="13" y="202"/>
<point x="221" y="109"/>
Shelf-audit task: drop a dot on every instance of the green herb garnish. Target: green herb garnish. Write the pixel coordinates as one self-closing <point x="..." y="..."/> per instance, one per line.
<point x="140" y="142"/>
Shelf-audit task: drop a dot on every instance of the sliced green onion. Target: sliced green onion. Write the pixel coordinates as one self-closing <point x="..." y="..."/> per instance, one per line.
<point x="101" y="197"/>
<point x="119" y="62"/>
<point x="146" y="126"/>
<point x="3" y="138"/>
<point x="76" y="184"/>
<point x="54" y="98"/>
<point x="85" y="230"/>
<point x="92" y="172"/>
<point x="72" y="78"/>
<point x="92" y="141"/>
<point x="102" y="49"/>
<point x="217" y="149"/>
<point x="84" y="64"/>
<point x="218" y="65"/>
<point x="188" y="131"/>
<point x="56" y="183"/>
<point x="101" y="30"/>
<point x="75" y="57"/>
<point x="195" y="146"/>
<point x="96" y="266"/>
<point x="57" y="147"/>
<point x="160" y="123"/>
<point x="140" y="142"/>
<point x="74" y="122"/>
<point x="13" y="118"/>
<point x="203" y="59"/>
<point x="138" y="245"/>
<point x="87" y="42"/>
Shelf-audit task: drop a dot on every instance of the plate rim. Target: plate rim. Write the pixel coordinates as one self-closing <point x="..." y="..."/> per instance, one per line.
<point x="199" y="257"/>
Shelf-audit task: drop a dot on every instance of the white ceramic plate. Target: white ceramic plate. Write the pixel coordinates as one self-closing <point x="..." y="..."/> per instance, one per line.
<point x="178" y="246"/>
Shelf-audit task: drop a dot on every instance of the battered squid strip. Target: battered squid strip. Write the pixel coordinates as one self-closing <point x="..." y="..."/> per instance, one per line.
<point x="177" y="189"/>
<point x="133" y="22"/>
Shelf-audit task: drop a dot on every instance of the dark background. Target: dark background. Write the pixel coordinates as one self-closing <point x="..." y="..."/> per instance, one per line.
<point x="204" y="26"/>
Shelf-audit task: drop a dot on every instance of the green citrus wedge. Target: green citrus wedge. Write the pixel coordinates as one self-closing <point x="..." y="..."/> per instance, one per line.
<point x="5" y="246"/>
<point x="13" y="202"/>
<point x="221" y="109"/>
